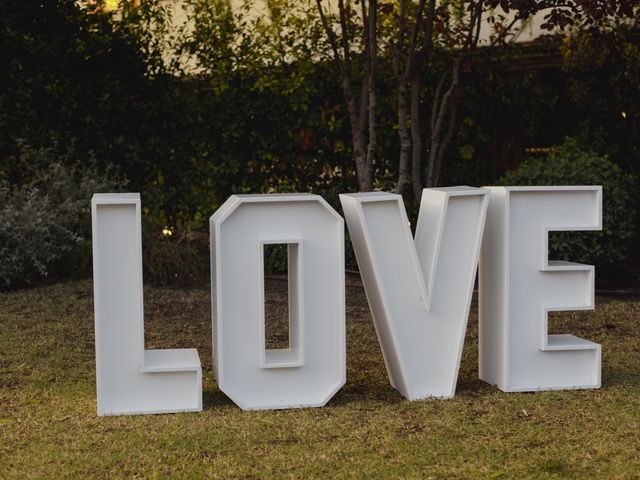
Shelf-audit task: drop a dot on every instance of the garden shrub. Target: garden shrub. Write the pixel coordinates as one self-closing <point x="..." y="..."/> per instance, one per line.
<point x="276" y="258"/>
<point x="172" y="256"/>
<point x="45" y="222"/>
<point x="574" y="164"/>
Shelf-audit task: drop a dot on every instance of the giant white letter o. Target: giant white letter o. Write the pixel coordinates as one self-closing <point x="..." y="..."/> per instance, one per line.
<point x="313" y="368"/>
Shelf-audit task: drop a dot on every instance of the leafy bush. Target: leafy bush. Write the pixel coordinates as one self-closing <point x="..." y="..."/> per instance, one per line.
<point x="276" y="258"/>
<point x="175" y="256"/>
<point x="45" y="222"/>
<point x="573" y="164"/>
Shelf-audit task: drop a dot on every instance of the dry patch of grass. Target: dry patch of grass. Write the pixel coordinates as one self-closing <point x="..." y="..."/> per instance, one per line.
<point x="49" y="427"/>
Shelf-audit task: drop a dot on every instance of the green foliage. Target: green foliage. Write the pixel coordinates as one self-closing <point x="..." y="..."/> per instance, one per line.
<point x="245" y="100"/>
<point x="535" y="95"/>
<point x="603" y="82"/>
<point x="173" y="258"/>
<point x="45" y="223"/>
<point x="575" y="164"/>
<point x="275" y="259"/>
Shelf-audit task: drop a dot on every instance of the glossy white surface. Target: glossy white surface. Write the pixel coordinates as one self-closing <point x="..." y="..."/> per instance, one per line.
<point x="129" y="379"/>
<point x="519" y="285"/>
<point x="313" y="368"/>
<point x="419" y="292"/>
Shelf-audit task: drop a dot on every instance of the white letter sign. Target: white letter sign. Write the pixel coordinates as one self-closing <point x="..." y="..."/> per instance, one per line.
<point x="519" y="285"/>
<point x="419" y="293"/>
<point x="313" y="368"/>
<point x="129" y="378"/>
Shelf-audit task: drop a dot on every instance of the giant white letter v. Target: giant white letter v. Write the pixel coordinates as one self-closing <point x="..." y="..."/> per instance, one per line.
<point x="419" y="292"/>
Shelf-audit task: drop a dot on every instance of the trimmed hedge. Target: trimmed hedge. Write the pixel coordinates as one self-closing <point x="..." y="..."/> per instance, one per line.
<point x="574" y="164"/>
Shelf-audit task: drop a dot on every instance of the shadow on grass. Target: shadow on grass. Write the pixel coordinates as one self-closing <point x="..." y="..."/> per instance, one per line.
<point x="617" y="378"/>
<point x="213" y="399"/>
<point x="473" y="387"/>
<point x="366" y="393"/>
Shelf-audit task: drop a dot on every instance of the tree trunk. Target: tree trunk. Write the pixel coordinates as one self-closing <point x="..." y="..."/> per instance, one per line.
<point x="403" y="133"/>
<point x="371" y="85"/>
<point x="358" y="138"/>
<point x="416" y="160"/>
<point x="401" y="77"/>
<point x="443" y="105"/>
<point x="415" y="62"/>
<point x="362" y="113"/>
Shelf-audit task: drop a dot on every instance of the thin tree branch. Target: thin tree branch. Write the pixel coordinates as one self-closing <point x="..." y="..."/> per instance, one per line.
<point x="476" y="12"/>
<point x="448" y="136"/>
<point x="478" y="26"/>
<point x="435" y="153"/>
<point x="414" y="38"/>
<point x="331" y="36"/>
<point x="436" y="98"/>
<point x="401" y="77"/>
<point x="345" y="34"/>
<point x="416" y="139"/>
<point x="428" y="34"/>
<point x="364" y="89"/>
<point x="358" y="123"/>
<point x="372" y="17"/>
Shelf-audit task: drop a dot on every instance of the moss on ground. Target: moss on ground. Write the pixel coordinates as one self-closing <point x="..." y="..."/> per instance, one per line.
<point x="49" y="427"/>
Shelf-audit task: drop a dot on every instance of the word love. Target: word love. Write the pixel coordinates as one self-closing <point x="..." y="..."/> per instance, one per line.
<point x="419" y="291"/>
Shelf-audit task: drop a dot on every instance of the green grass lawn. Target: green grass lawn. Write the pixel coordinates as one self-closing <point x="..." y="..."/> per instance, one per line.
<point x="49" y="427"/>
